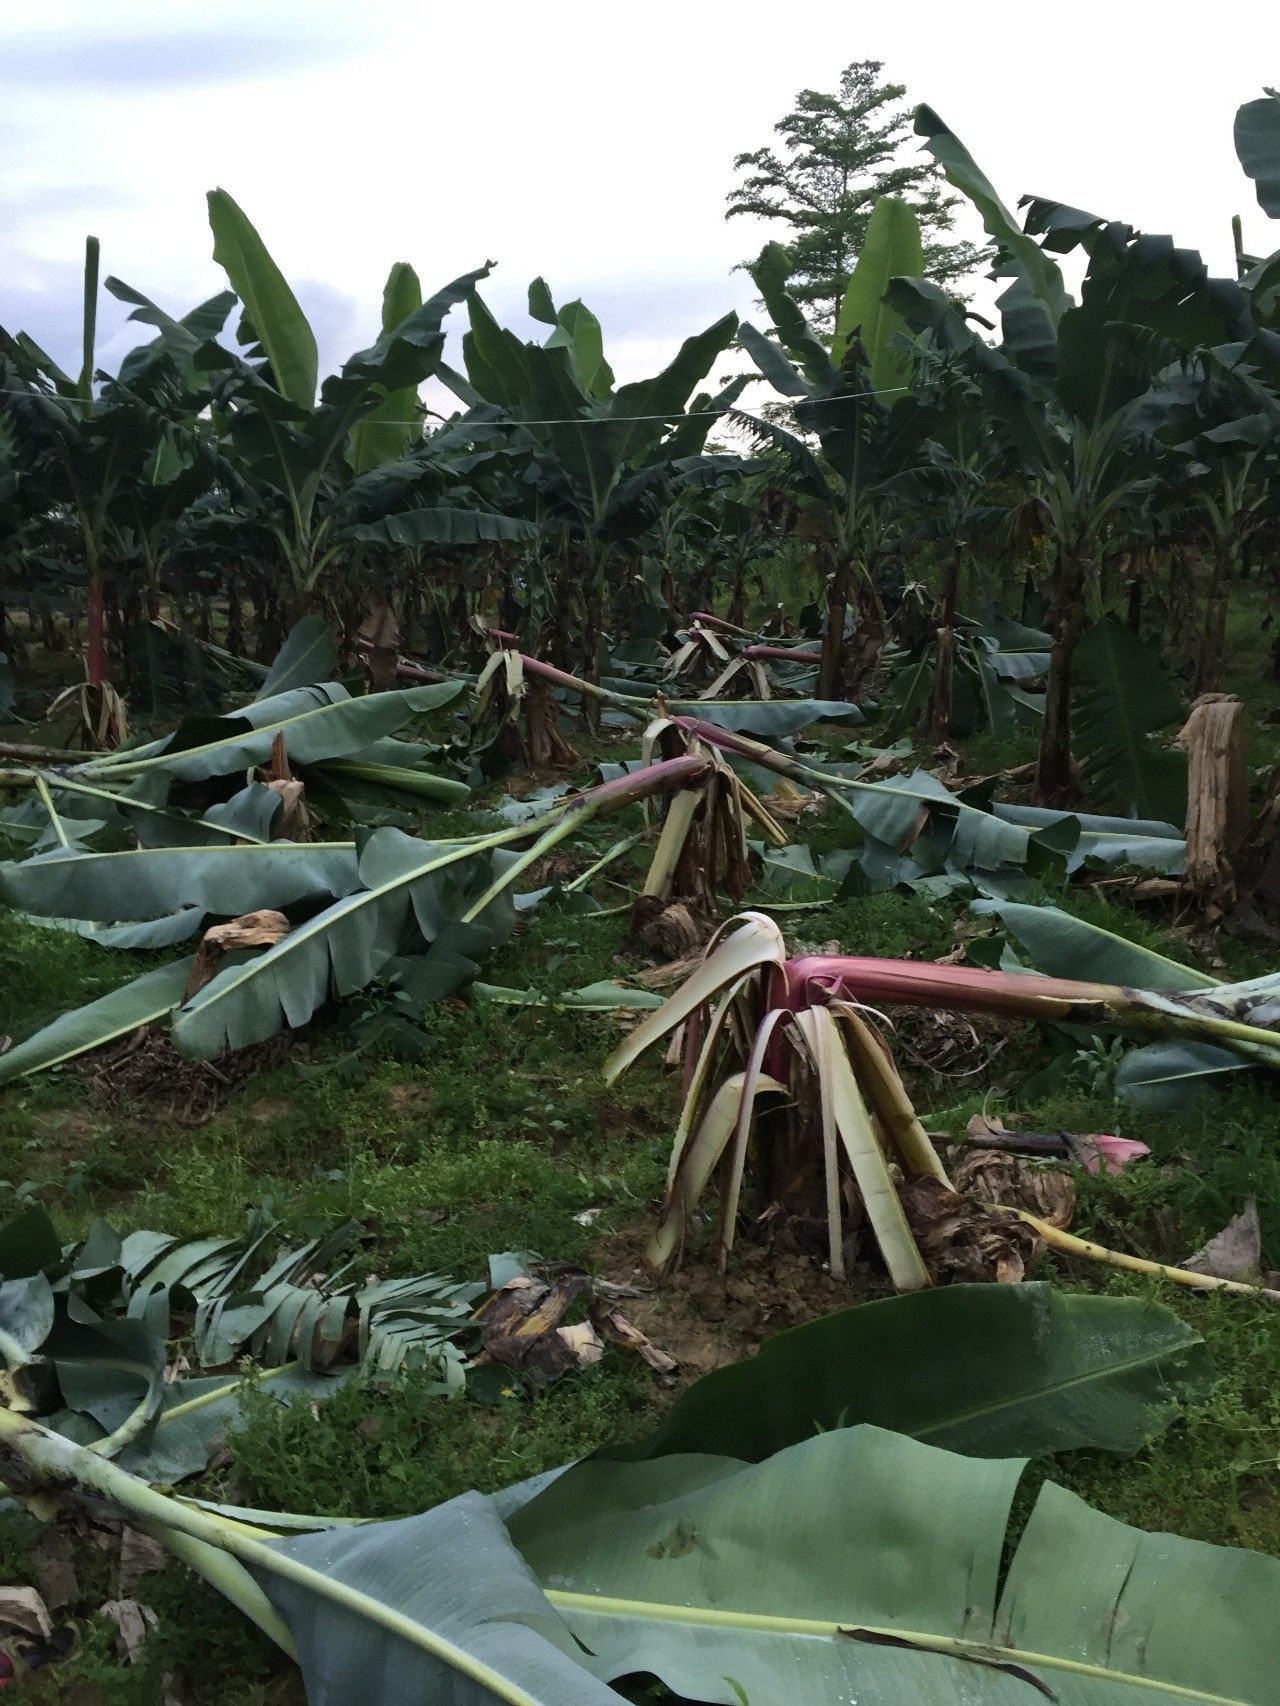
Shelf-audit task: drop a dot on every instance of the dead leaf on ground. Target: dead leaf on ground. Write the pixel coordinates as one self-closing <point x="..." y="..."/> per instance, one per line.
<point x="251" y="930"/>
<point x="134" y="1622"/>
<point x="666" y="976"/>
<point x="671" y="932"/>
<point x="140" y="1556"/>
<point x="1235" y="1253"/>
<point x="24" y="1609"/>
<point x="992" y="1176"/>
<point x="793" y="806"/>
<point x="585" y="1344"/>
<point x="619" y="1330"/>
<point x="54" y="1558"/>
<point x="519" y="1327"/>
<point x="961" y="1241"/>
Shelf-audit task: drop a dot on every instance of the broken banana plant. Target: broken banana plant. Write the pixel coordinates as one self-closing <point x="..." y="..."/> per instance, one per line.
<point x="702" y="845"/>
<point x="781" y="1065"/>
<point x="402" y="898"/>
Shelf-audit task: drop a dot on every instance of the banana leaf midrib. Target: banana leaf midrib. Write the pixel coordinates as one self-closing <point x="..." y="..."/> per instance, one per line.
<point x="763" y="1623"/>
<point x="122" y="764"/>
<point x="1104" y="1371"/>
<point x="303" y="935"/>
<point x="204" y="851"/>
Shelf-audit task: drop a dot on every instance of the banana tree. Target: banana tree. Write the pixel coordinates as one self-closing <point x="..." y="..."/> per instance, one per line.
<point x="839" y="1129"/>
<point x="104" y="445"/>
<point x="592" y="449"/>
<point x="294" y="455"/>
<point x="1079" y="389"/>
<point x="853" y="399"/>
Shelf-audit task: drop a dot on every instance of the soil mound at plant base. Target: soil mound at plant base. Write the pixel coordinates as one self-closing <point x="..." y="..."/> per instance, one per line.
<point x="705" y="1319"/>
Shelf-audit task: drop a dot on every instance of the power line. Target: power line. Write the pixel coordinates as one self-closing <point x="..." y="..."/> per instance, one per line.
<point x="567" y="420"/>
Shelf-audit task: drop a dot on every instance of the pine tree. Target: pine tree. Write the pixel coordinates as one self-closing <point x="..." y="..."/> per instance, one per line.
<point x="842" y="152"/>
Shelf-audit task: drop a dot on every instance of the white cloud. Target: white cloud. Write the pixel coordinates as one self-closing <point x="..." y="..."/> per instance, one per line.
<point x="592" y="144"/>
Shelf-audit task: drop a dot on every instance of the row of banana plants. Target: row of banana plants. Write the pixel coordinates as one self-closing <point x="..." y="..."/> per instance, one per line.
<point x="924" y="480"/>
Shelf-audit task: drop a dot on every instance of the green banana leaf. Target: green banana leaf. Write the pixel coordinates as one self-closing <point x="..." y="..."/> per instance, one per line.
<point x="442" y="525"/>
<point x="143" y="1001"/>
<point x="438" y="1607"/>
<point x="194" y="1415"/>
<point x="389" y="428"/>
<point x="890" y="249"/>
<point x="979" y="1368"/>
<point x="1123" y="696"/>
<point x="278" y="322"/>
<point x="1144" y="842"/>
<point x="1161" y="1076"/>
<point x="1257" y="140"/>
<point x="1035" y="302"/>
<point x="145" y="933"/>
<point x="767" y="719"/>
<point x="317" y="723"/>
<point x="578" y="331"/>
<point x="769" y="273"/>
<point x="307" y="656"/>
<point x="864" y="1566"/>
<point x="1065" y="946"/>
<point x="404" y="882"/>
<point x="144" y="882"/>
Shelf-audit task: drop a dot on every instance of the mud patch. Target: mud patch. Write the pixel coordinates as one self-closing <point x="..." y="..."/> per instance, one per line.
<point x="706" y="1319"/>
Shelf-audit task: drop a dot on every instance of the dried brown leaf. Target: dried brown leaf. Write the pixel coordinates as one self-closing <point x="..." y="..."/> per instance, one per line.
<point x="24" y="1609"/>
<point x="134" y="1622"/>
<point x="963" y="1241"/>
<point x="251" y="930"/>
<point x="993" y="1176"/>
<point x="54" y="1558"/>
<point x="1235" y="1253"/>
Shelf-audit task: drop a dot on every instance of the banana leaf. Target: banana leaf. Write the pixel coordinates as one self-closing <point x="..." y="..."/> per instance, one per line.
<point x="144" y="933"/>
<point x="767" y="719"/>
<point x="145" y="882"/>
<point x="890" y="249"/>
<point x="272" y="309"/>
<point x="1123" y="697"/>
<point x="307" y="656"/>
<point x="143" y="1001"/>
<point x="1161" y="1076"/>
<point x="434" y="1607"/>
<point x="443" y="525"/>
<point x="1065" y="946"/>
<point x="1143" y="842"/>
<point x="984" y="1369"/>
<point x="862" y="1565"/>
<point x="405" y="882"/>
<point x="316" y="723"/>
<point x="1257" y="140"/>
<point x="388" y="429"/>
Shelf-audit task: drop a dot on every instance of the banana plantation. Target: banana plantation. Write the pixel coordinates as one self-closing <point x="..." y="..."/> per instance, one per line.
<point x="639" y="1022"/>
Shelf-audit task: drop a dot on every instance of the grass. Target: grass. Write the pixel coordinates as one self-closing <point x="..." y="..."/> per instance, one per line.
<point x="500" y="1134"/>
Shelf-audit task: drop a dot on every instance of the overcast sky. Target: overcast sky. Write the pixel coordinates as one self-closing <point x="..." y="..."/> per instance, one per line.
<point x="589" y="142"/>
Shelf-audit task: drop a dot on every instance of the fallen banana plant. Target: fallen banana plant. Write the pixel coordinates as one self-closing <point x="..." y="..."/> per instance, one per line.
<point x="854" y="1565"/>
<point x="1006" y="1373"/>
<point x="85" y="1332"/>
<point x="914" y="828"/>
<point x="782" y="1064"/>
<point x="400" y="900"/>
<point x="506" y="684"/>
